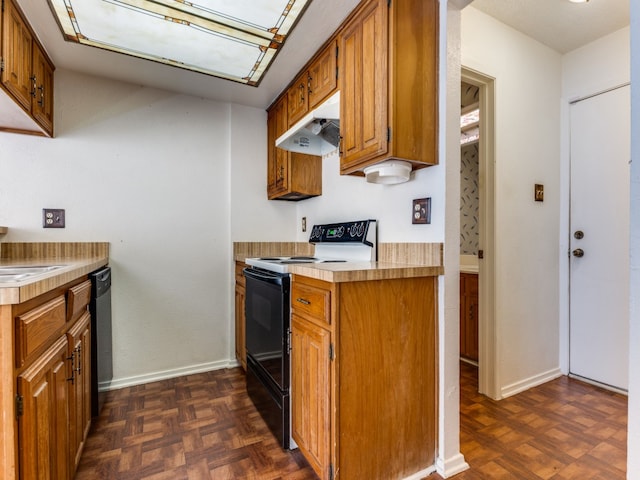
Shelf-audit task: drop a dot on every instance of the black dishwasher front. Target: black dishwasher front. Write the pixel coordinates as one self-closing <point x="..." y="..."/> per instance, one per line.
<point x="101" y="341"/>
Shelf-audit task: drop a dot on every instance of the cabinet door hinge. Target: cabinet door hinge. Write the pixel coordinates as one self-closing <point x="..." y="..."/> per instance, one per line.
<point x="1" y="64"/>
<point x="3" y="5"/>
<point x="388" y="134"/>
<point x="389" y="3"/>
<point x="19" y="406"/>
<point x="331" y="474"/>
<point x="331" y="352"/>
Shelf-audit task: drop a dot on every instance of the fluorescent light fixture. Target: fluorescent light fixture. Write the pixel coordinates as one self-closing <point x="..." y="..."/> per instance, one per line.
<point x="235" y="40"/>
<point x="578" y="1"/>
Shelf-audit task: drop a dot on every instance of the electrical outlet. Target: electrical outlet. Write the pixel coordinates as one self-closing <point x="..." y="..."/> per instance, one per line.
<point x="53" y="218"/>
<point x="304" y="224"/>
<point x="421" y="211"/>
<point x="538" y="192"/>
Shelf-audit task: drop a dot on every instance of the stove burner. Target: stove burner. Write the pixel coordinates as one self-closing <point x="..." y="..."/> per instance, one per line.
<point x="303" y="258"/>
<point x="269" y="259"/>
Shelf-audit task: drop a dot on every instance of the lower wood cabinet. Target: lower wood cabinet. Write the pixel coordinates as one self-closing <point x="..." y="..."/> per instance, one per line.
<point x="469" y="316"/>
<point x="241" y="350"/>
<point x="364" y="373"/>
<point x="311" y="380"/>
<point x="79" y="351"/>
<point x="43" y="416"/>
<point x="49" y="359"/>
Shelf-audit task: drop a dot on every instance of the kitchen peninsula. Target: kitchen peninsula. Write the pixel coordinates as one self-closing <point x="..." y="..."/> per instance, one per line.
<point x="363" y="360"/>
<point x="44" y="349"/>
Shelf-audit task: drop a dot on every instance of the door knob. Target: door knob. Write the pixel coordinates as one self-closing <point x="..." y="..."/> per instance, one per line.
<point x="578" y="252"/>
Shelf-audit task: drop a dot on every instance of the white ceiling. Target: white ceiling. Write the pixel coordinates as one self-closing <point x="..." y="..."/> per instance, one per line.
<point x="559" y="24"/>
<point x="556" y="23"/>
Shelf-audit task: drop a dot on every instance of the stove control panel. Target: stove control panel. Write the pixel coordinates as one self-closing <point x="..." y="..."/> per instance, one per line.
<point x="361" y="231"/>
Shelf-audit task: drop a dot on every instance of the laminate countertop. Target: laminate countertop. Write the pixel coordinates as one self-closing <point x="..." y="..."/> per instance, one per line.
<point x="362" y="271"/>
<point x="75" y="260"/>
<point x="397" y="260"/>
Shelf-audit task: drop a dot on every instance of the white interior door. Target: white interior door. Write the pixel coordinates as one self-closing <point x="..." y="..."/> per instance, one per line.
<point x="599" y="259"/>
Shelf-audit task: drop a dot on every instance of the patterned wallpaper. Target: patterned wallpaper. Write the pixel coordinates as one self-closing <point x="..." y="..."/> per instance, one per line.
<point x="469" y="200"/>
<point x="469" y="191"/>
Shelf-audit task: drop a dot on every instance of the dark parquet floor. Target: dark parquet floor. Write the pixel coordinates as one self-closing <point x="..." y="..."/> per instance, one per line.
<point x="564" y="429"/>
<point x="203" y="426"/>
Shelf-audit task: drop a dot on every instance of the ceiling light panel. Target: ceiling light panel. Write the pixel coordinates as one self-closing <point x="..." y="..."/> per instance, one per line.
<point x="232" y="39"/>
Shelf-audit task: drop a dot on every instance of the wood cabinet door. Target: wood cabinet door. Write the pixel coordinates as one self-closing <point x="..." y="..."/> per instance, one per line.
<point x="16" y="52"/>
<point x="323" y="78"/>
<point x="44" y="423"/>
<point x="363" y="87"/>
<point x="469" y="316"/>
<point x="241" y="350"/>
<point x="311" y="393"/>
<point x="277" y="159"/>
<point x="79" y="344"/>
<point x="42" y="101"/>
<point x="298" y="98"/>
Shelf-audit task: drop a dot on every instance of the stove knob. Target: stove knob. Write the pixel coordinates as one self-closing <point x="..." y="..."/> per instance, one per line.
<point x="340" y="231"/>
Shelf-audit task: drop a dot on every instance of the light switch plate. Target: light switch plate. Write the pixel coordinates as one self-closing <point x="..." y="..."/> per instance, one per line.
<point x="421" y="211"/>
<point x="53" y="218"/>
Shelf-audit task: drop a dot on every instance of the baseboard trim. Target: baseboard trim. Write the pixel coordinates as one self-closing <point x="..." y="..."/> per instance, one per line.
<point x="527" y="383"/>
<point x="451" y="466"/>
<point x="421" y="474"/>
<point x="118" y="383"/>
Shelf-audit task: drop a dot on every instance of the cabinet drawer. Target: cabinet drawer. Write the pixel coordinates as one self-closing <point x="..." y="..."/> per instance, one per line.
<point x="36" y="326"/>
<point x="78" y="298"/>
<point x="310" y="301"/>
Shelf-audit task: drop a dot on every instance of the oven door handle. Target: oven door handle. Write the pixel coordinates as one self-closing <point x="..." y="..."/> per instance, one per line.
<point x="264" y="275"/>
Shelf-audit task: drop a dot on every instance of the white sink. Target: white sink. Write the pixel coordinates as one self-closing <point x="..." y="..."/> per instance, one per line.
<point x="17" y="273"/>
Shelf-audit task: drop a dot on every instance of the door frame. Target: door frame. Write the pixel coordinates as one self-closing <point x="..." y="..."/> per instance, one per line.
<point x="488" y="334"/>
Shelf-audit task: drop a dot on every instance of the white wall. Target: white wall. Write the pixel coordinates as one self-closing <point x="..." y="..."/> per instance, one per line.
<point x="592" y="68"/>
<point x="633" y="445"/>
<point x="252" y="216"/>
<point x="148" y="171"/>
<point x="348" y="197"/>
<point x="527" y="116"/>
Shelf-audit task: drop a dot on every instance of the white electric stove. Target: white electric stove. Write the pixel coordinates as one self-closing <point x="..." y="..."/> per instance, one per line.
<point x="354" y="241"/>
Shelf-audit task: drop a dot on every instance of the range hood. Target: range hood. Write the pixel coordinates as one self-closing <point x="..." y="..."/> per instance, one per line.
<point x="317" y="133"/>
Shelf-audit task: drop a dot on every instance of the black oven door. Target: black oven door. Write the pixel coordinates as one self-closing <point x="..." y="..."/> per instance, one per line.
<point x="267" y="323"/>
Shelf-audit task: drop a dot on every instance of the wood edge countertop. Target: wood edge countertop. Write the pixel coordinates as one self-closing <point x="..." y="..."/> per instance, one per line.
<point x="395" y="260"/>
<point x="76" y="260"/>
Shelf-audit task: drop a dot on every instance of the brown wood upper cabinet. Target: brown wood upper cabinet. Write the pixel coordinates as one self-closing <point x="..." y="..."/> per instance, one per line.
<point x="290" y="176"/>
<point x="26" y="77"/>
<point x="314" y="84"/>
<point x="388" y="84"/>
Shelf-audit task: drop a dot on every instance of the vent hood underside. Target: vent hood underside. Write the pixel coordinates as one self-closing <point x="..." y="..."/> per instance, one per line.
<point x="317" y="133"/>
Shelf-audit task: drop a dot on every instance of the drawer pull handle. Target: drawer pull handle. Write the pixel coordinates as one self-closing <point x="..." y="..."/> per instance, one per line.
<point x="302" y="300"/>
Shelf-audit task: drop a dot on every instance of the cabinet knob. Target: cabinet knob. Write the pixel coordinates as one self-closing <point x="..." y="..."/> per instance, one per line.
<point x="578" y="252"/>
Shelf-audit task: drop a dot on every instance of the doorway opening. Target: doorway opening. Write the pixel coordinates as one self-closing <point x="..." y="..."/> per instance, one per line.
<point x="488" y="336"/>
